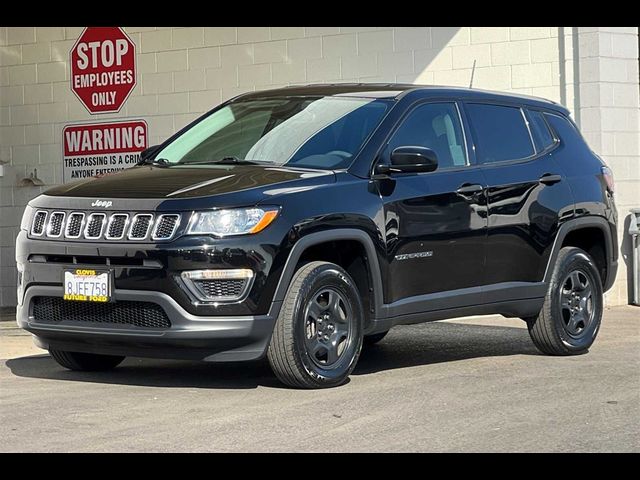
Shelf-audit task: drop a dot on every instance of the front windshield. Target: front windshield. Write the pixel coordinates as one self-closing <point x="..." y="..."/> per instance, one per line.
<point x="310" y="132"/>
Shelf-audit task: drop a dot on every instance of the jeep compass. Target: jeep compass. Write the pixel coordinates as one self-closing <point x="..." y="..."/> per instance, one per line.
<point x="302" y="223"/>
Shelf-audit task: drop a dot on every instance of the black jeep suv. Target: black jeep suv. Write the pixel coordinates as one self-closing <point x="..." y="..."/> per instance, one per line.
<point x="302" y="222"/>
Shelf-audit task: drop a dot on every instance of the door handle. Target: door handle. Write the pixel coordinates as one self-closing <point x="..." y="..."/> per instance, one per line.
<point x="467" y="189"/>
<point x="550" y="178"/>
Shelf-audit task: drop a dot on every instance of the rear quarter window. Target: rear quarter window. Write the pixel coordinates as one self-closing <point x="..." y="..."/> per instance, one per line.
<point x="573" y="153"/>
<point x="564" y="129"/>
<point x="542" y="136"/>
<point x="566" y="132"/>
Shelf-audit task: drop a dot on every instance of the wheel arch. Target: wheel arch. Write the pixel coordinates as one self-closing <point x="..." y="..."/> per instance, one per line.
<point x="306" y="243"/>
<point x="569" y="230"/>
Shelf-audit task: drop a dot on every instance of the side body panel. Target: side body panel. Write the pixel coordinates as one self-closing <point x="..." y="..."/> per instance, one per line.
<point x="594" y="204"/>
<point x="524" y="217"/>
<point x="435" y="237"/>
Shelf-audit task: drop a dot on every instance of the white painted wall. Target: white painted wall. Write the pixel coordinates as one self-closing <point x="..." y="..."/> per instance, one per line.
<point x="183" y="72"/>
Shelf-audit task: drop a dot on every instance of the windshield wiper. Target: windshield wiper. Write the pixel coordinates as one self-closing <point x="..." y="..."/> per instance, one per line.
<point x="229" y="161"/>
<point x="157" y="162"/>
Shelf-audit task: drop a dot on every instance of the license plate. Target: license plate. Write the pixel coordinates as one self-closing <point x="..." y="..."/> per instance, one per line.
<point x="87" y="285"/>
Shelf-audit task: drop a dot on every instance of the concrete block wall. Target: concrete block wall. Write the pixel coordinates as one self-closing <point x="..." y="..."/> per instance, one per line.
<point x="610" y="115"/>
<point x="183" y="72"/>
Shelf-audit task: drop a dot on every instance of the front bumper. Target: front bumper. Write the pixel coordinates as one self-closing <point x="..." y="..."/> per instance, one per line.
<point x="190" y="337"/>
<point x="159" y="266"/>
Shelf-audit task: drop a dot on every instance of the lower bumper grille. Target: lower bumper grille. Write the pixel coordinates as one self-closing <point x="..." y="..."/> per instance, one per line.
<point x="138" y="314"/>
<point x="221" y="289"/>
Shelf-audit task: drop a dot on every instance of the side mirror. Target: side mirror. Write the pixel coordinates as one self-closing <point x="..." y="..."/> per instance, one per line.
<point x="149" y="152"/>
<point x="411" y="159"/>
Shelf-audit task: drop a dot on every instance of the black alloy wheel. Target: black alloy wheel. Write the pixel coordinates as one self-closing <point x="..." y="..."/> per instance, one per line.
<point x="572" y="311"/>
<point x="317" y="338"/>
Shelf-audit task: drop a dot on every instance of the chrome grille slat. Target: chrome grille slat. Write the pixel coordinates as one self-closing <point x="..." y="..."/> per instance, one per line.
<point x="166" y="226"/>
<point x="117" y="226"/>
<point x="56" y="224"/>
<point x="140" y="226"/>
<point x="74" y="225"/>
<point x="95" y="225"/>
<point x="39" y="223"/>
<point x="105" y="226"/>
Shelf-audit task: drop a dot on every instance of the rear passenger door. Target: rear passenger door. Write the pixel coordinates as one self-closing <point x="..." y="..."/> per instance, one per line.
<point x="527" y="197"/>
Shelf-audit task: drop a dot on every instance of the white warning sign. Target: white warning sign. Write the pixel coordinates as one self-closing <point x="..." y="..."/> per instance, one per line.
<point x="98" y="149"/>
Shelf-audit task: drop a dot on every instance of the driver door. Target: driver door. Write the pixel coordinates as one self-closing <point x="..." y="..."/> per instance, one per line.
<point x="436" y="222"/>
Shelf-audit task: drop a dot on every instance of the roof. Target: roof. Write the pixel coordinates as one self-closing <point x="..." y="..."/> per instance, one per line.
<point x="389" y="90"/>
<point x="397" y="90"/>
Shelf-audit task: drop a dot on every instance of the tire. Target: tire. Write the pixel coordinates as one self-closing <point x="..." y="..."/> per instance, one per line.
<point x="375" y="338"/>
<point x="85" y="362"/>
<point x="317" y="339"/>
<point x="572" y="311"/>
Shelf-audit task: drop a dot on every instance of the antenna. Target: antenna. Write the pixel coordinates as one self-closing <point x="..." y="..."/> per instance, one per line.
<point x="473" y="70"/>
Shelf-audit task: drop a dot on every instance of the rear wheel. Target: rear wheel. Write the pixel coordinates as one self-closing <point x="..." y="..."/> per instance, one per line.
<point x="572" y="312"/>
<point x="90" y="362"/>
<point x="317" y="338"/>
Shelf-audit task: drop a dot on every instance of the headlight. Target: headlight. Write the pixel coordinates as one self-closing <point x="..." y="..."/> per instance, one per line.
<point x="236" y="221"/>
<point x="25" y="224"/>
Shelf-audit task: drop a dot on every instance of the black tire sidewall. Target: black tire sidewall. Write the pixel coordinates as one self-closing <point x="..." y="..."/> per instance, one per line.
<point x="577" y="259"/>
<point x="89" y="362"/>
<point x="328" y="275"/>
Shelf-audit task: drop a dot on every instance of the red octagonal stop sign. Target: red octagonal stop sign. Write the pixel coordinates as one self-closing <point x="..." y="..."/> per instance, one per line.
<point x="103" y="68"/>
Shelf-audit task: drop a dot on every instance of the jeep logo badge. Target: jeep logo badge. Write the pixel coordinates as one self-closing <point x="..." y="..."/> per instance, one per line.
<point x="102" y="203"/>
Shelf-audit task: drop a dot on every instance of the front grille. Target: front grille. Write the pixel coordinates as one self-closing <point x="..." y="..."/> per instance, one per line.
<point x="95" y="222"/>
<point x="140" y="227"/>
<point x="221" y="289"/>
<point x="137" y="314"/>
<point x="117" y="224"/>
<point x="110" y="261"/>
<point x="101" y="226"/>
<point x="74" y="225"/>
<point x="38" y="223"/>
<point x="56" y="222"/>
<point x="166" y="226"/>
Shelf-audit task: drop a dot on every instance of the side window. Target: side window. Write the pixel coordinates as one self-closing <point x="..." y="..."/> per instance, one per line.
<point x="501" y="133"/>
<point x="539" y="130"/>
<point x="565" y="130"/>
<point x="435" y="126"/>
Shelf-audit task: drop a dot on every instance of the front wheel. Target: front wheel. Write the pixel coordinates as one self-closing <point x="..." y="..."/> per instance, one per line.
<point x="87" y="362"/>
<point x="572" y="312"/>
<point x="317" y="338"/>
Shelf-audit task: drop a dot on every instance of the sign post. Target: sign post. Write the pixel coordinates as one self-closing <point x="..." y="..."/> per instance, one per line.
<point x="103" y="70"/>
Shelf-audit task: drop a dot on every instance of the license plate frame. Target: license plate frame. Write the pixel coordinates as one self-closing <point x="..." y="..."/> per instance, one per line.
<point x="96" y="285"/>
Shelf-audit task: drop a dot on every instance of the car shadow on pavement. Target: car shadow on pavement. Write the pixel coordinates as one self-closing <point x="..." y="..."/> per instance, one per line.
<point x="154" y="373"/>
<point x="438" y="342"/>
<point x="405" y="346"/>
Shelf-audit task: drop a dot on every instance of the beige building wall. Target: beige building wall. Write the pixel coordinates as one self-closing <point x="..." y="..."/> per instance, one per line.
<point x="610" y="121"/>
<point x="183" y="72"/>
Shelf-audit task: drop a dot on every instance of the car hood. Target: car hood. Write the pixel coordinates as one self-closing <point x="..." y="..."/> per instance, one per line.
<point x="252" y="182"/>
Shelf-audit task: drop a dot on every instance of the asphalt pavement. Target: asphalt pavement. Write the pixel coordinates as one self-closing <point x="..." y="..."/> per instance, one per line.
<point x="464" y="385"/>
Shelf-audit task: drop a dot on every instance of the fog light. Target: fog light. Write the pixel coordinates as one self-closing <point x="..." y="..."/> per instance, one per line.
<point x="224" y="285"/>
